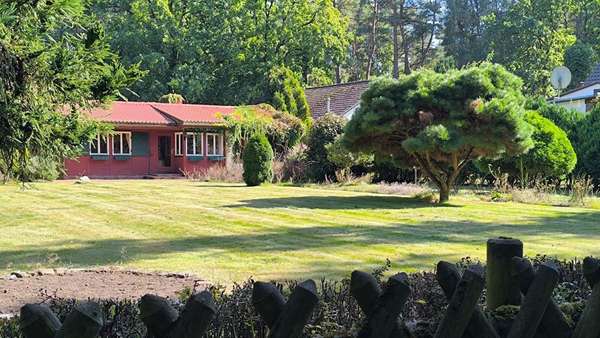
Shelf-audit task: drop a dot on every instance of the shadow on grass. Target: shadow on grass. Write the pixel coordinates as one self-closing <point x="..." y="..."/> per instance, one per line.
<point x="340" y="202"/>
<point x="277" y="242"/>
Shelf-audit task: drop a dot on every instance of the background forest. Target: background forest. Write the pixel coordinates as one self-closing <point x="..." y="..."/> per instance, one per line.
<point x="223" y="52"/>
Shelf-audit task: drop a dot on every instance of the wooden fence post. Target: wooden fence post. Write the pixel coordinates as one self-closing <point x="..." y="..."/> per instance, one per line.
<point x="85" y="321"/>
<point x="382" y="308"/>
<point x="553" y="324"/>
<point x="286" y="321"/>
<point x="479" y="326"/>
<point x="535" y="302"/>
<point x="38" y="321"/>
<point x="163" y="321"/>
<point x="589" y="323"/>
<point x="463" y="304"/>
<point x="502" y="286"/>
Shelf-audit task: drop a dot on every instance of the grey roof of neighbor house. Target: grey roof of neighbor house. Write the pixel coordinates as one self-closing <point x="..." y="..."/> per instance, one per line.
<point x="343" y="97"/>
<point x="594" y="76"/>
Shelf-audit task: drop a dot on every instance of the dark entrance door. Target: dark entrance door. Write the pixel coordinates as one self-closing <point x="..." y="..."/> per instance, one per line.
<point x="164" y="150"/>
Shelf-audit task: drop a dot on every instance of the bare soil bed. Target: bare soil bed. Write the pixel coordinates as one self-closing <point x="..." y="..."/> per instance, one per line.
<point x="20" y="288"/>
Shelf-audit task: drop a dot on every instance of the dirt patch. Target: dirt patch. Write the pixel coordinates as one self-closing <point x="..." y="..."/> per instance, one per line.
<point x="19" y="288"/>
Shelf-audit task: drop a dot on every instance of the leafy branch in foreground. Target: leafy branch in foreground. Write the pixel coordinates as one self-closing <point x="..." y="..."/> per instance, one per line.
<point x="56" y="64"/>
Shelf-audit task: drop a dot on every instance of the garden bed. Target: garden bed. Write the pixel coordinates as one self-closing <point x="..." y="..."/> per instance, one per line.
<point x="20" y="288"/>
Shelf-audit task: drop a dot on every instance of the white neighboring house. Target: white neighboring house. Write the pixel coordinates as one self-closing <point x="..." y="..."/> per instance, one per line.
<point x="341" y="99"/>
<point x="584" y="97"/>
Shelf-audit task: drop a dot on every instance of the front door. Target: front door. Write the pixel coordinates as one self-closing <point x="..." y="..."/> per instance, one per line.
<point x="164" y="150"/>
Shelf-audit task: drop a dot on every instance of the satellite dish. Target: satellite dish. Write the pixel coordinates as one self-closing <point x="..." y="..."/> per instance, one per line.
<point x="561" y="78"/>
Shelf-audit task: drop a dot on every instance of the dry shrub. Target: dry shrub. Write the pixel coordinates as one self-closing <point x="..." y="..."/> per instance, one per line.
<point x="405" y="189"/>
<point x="346" y="177"/>
<point x="531" y="196"/>
<point x="229" y="173"/>
<point x="291" y="167"/>
<point x="581" y="188"/>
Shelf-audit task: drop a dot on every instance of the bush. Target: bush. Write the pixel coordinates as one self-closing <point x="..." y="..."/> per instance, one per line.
<point x="552" y="155"/>
<point x="324" y="131"/>
<point x="336" y="315"/>
<point x="284" y="132"/>
<point x="258" y="161"/>
<point x="291" y="167"/>
<point x="588" y="135"/>
<point x="230" y="173"/>
<point x="565" y="118"/>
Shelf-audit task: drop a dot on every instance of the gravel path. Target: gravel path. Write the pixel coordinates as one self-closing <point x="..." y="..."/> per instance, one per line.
<point x="20" y="288"/>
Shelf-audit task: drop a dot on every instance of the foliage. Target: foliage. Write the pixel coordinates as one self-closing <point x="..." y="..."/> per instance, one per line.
<point x="292" y="166"/>
<point x="221" y="52"/>
<point x="337" y="313"/>
<point x="530" y="39"/>
<point x="465" y="35"/>
<point x="342" y="158"/>
<point x="440" y="122"/>
<point x="232" y="172"/>
<point x="552" y="155"/>
<point x="172" y="98"/>
<point x="284" y="132"/>
<point x="287" y="94"/>
<point x="244" y="123"/>
<point x="258" y="161"/>
<point x="565" y="118"/>
<point x="323" y="131"/>
<point x="580" y="59"/>
<point x="588" y="151"/>
<point x="55" y="64"/>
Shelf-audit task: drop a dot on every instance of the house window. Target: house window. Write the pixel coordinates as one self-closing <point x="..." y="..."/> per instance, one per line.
<point x="99" y="145"/>
<point x="178" y="144"/>
<point x="215" y="144"/>
<point x="194" y="144"/>
<point x="122" y="143"/>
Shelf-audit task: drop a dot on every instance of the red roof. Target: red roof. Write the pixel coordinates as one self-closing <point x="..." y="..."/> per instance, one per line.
<point x="152" y="113"/>
<point x="195" y="113"/>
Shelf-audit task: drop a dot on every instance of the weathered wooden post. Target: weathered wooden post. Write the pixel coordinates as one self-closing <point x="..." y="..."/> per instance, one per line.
<point x="285" y="320"/>
<point x="382" y="308"/>
<point x="553" y="324"/>
<point x="479" y="326"/>
<point x="163" y="321"/>
<point x="502" y="286"/>
<point x="589" y="324"/>
<point x="463" y="304"/>
<point x="38" y="321"/>
<point x="85" y="321"/>
<point x="535" y="303"/>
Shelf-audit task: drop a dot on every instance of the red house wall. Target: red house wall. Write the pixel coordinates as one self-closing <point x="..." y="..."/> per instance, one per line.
<point x="137" y="166"/>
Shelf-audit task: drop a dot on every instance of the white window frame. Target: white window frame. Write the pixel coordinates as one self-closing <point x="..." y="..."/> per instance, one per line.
<point x="98" y="145"/>
<point x="120" y="134"/>
<point x="195" y="150"/>
<point x="179" y="144"/>
<point x="216" y="136"/>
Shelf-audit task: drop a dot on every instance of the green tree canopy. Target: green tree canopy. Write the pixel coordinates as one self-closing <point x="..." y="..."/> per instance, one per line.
<point x="580" y="59"/>
<point x="222" y="52"/>
<point x="530" y="39"/>
<point x="552" y="155"/>
<point x="55" y="62"/>
<point x="588" y="141"/>
<point x="440" y="122"/>
<point x="287" y="94"/>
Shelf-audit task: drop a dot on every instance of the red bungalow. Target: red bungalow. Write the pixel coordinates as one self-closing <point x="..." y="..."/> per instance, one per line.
<point x="152" y="139"/>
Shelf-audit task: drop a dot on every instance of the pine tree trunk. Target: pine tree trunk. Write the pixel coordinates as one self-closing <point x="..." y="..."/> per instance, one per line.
<point x="444" y="193"/>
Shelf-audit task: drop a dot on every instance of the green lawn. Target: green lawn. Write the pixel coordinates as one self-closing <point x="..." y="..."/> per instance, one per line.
<point x="228" y="232"/>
